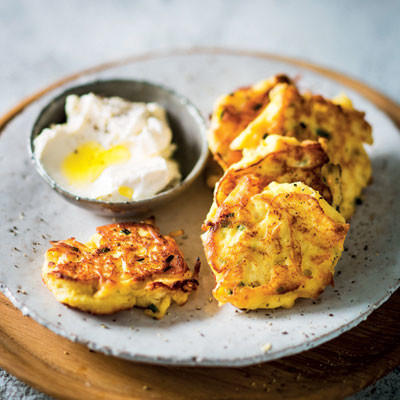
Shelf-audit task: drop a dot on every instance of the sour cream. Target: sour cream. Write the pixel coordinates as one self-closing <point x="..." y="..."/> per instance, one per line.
<point x="109" y="149"/>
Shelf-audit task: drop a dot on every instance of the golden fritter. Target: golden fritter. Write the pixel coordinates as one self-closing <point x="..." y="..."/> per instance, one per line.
<point x="123" y="265"/>
<point x="339" y="128"/>
<point x="232" y="113"/>
<point x="284" y="160"/>
<point x="270" y="248"/>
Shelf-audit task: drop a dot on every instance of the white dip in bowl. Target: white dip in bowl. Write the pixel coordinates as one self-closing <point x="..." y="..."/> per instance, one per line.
<point x="109" y="149"/>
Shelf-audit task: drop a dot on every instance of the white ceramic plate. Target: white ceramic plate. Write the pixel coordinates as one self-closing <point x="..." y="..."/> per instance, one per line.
<point x="199" y="333"/>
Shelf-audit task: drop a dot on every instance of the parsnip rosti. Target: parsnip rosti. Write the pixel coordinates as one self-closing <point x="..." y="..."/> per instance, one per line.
<point x="340" y="129"/>
<point x="232" y="113"/>
<point x="268" y="249"/>
<point x="284" y="160"/>
<point x="123" y="265"/>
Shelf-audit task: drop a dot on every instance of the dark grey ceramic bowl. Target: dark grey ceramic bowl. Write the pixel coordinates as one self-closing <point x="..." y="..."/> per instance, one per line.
<point x="189" y="134"/>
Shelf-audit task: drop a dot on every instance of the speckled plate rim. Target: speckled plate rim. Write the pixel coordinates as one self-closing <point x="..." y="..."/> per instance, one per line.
<point x="204" y="362"/>
<point x="379" y="100"/>
<point x="164" y="194"/>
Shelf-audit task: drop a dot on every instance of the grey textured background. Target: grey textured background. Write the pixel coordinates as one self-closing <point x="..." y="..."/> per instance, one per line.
<point x="43" y="40"/>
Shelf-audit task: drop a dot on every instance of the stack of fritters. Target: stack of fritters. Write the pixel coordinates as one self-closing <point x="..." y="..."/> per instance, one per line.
<point x="123" y="265"/>
<point x="292" y="176"/>
<point x="340" y="129"/>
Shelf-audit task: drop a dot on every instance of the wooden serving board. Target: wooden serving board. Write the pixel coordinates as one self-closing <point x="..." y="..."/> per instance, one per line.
<point x="333" y="370"/>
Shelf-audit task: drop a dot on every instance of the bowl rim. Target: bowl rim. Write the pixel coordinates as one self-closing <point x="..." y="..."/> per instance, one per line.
<point x="191" y="176"/>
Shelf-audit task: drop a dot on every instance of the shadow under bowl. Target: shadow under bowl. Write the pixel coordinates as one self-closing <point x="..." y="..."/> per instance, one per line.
<point x="188" y="129"/>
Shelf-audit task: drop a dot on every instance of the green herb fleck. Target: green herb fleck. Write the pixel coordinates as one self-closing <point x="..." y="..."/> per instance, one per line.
<point x="125" y="231"/>
<point x="323" y="133"/>
<point x="265" y="135"/>
<point x="152" y="308"/>
<point x="241" y="227"/>
<point x="229" y="291"/>
<point x="222" y="114"/>
<point x="257" y="106"/>
<point x="74" y="249"/>
<point x="104" y="250"/>
<point x="241" y="284"/>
